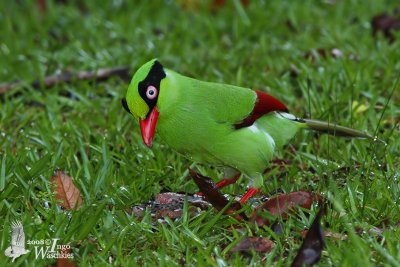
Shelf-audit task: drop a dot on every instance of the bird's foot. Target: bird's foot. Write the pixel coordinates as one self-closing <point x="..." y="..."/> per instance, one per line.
<point x="249" y="194"/>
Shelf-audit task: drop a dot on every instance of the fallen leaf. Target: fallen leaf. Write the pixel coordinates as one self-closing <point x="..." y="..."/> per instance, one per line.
<point x="281" y="205"/>
<point x="172" y="211"/>
<point x="332" y="235"/>
<point x="311" y="249"/>
<point x="170" y="205"/>
<point x="373" y="231"/>
<point x="385" y="24"/>
<point x="214" y="196"/>
<point x="63" y="261"/>
<point x="67" y="195"/>
<point x="259" y="244"/>
<point x="171" y="197"/>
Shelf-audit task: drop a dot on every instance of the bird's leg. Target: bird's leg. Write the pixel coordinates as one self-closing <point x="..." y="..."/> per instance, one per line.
<point x="227" y="181"/>
<point x="230" y="177"/>
<point x="249" y="194"/>
<point x="256" y="182"/>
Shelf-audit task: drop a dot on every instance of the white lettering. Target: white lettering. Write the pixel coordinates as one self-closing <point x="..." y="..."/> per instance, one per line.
<point x="40" y="251"/>
<point x="53" y="247"/>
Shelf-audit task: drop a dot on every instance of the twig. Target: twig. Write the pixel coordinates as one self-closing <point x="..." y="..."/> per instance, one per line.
<point x="68" y="77"/>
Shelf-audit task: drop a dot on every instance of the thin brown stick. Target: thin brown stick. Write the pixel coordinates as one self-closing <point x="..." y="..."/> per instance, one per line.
<point x="68" y="77"/>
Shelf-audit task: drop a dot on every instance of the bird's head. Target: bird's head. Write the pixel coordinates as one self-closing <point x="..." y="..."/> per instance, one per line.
<point x="142" y="97"/>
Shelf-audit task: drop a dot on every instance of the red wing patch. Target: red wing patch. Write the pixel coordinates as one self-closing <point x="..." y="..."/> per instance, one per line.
<point x="264" y="104"/>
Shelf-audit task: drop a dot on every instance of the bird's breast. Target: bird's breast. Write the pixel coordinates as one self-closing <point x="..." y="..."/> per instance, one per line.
<point x="190" y="134"/>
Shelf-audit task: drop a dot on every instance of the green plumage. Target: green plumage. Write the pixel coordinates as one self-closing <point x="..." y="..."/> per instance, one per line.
<point x="198" y="119"/>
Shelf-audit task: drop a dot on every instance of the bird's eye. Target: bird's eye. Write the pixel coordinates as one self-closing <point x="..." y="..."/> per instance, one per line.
<point x="151" y="92"/>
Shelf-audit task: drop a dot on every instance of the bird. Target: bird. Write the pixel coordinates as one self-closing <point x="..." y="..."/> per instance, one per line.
<point x="235" y="128"/>
<point x="17" y="247"/>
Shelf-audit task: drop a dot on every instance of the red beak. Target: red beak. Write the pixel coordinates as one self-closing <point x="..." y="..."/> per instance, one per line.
<point x="148" y="127"/>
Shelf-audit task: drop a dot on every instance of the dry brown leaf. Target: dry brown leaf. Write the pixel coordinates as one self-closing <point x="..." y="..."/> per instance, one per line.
<point x="215" y="197"/>
<point x="333" y="235"/>
<point x="385" y="24"/>
<point x="67" y="195"/>
<point x="64" y="261"/>
<point x="259" y="244"/>
<point x="311" y="250"/>
<point x="170" y="204"/>
<point x="281" y="205"/>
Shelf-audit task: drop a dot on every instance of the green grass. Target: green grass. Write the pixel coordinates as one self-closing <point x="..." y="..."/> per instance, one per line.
<point x="82" y="129"/>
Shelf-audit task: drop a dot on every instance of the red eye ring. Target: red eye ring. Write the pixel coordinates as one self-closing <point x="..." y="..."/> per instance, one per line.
<point x="151" y="92"/>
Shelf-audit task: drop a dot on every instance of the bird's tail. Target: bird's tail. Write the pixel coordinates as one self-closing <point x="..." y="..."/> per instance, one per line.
<point x="335" y="129"/>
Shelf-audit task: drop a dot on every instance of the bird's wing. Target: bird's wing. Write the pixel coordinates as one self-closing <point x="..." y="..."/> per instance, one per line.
<point x="226" y="104"/>
<point x="233" y="105"/>
<point x="17" y="235"/>
<point x="264" y="104"/>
